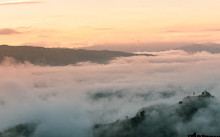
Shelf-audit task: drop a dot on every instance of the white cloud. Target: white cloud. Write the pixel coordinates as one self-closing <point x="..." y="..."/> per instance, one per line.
<point x="60" y="98"/>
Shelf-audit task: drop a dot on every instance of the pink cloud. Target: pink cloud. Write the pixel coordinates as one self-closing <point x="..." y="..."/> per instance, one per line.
<point x="22" y="2"/>
<point x="8" y="31"/>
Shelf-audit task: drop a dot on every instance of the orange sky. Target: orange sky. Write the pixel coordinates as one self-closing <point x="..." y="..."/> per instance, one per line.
<point x="74" y="23"/>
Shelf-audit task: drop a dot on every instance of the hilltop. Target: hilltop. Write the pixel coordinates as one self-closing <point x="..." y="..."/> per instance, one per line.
<point x="58" y="56"/>
<point x="209" y="47"/>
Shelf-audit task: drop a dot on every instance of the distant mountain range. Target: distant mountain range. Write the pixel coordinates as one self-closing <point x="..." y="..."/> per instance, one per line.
<point x="139" y="47"/>
<point x="58" y="56"/>
<point x="212" y="48"/>
<point x="154" y="47"/>
<point x="65" y="56"/>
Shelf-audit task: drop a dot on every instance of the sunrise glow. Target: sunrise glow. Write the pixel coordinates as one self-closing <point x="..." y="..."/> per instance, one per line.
<point x="69" y="23"/>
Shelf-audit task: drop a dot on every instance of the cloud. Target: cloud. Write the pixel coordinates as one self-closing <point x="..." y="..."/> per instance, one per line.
<point x="8" y="31"/>
<point x="68" y="100"/>
<point x="191" y="29"/>
<point x="98" y="28"/>
<point x="103" y="29"/>
<point x="18" y="2"/>
<point x="213" y="29"/>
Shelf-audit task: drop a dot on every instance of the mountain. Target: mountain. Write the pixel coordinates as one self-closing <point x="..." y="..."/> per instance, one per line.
<point x="20" y="130"/>
<point x="160" y="120"/>
<point x="58" y="56"/>
<point x="154" y="47"/>
<point x="210" y="47"/>
<point x="140" y="47"/>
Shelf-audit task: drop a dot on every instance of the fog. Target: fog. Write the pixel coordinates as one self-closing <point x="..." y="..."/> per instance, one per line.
<point x="67" y="101"/>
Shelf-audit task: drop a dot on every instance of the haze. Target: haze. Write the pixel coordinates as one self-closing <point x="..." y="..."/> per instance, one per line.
<point x="109" y="68"/>
<point x="69" y="23"/>
<point x="67" y="101"/>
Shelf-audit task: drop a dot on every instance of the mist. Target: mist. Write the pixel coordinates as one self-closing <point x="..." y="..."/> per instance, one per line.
<point x="67" y="101"/>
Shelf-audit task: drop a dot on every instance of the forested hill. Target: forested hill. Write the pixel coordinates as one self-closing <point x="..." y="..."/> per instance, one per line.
<point x="57" y="56"/>
<point x="211" y="48"/>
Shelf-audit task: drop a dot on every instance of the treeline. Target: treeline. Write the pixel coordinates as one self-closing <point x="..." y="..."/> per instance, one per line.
<point x="57" y="56"/>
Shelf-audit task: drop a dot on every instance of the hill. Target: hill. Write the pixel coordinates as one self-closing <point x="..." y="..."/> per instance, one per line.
<point x="139" y="47"/>
<point x="160" y="120"/>
<point x="212" y="48"/>
<point x="58" y="56"/>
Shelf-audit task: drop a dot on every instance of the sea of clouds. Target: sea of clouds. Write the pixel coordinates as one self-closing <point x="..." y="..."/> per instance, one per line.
<point x="67" y="101"/>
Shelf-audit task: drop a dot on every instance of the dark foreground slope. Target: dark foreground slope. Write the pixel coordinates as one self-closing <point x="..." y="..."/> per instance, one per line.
<point x="21" y="130"/>
<point x="194" y="114"/>
<point x="57" y="56"/>
<point x="191" y="115"/>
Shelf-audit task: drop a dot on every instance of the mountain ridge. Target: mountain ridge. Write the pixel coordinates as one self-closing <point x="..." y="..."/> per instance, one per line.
<point x="209" y="47"/>
<point x="58" y="56"/>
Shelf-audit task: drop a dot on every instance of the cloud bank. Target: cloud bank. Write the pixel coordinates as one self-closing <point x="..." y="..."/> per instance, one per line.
<point x="14" y="2"/>
<point x="8" y="31"/>
<point x="68" y="101"/>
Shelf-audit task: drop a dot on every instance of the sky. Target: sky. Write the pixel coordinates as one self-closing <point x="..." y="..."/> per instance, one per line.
<point x="79" y="23"/>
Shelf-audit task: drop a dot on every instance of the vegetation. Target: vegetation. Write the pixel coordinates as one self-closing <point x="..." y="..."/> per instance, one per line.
<point x="58" y="56"/>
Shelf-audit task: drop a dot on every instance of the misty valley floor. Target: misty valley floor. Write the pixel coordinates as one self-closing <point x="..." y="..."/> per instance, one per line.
<point x="70" y="101"/>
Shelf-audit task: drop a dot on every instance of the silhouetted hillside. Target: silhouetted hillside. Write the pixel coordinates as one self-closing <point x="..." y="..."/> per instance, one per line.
<point x="139" y="47"/>
<point x="212" y="48"/>
<point x="57" y="56"/>
<point x="158" y="120"/>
